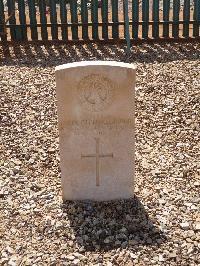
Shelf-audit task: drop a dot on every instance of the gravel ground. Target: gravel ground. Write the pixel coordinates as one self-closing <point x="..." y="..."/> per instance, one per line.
<point x="161" y="224"/>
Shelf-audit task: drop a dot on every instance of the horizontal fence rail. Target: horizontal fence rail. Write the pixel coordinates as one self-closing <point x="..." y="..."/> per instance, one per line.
<point x="22" y="20"/>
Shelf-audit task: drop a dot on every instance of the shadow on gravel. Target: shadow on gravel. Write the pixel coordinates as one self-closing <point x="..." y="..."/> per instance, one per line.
<point x="48" y="55"/>
<point x="110" y="225"/>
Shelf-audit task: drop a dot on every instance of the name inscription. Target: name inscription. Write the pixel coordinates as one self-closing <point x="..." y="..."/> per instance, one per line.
<point x="109" y="124"/>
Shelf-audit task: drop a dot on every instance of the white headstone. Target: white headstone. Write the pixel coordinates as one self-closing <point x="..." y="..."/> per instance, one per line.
<point x="96" y="129"/>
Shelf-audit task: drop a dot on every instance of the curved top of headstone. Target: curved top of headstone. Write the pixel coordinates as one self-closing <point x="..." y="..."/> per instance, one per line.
<point x="96" y="63"/>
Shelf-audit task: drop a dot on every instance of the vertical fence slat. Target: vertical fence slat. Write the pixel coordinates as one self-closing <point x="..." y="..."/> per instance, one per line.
<point x="104" y="14"/>
<point x="84" y="18"/>
<point x="126" y="25"/>
<point x="115" y="18"/>
<point x="22" y="19"/>
<point x="135" y="18"/>
<point x="155" y="17"/>
<point x="186" y="18"/>
<point x="196" y="16"/>
<point x="53" y="19"/>
<point x="63" y="18"/>
<point x="74" y="19"/>
<point x="145" y="18"/>
<point x="33" y="20"/>
<point x="12" y="20"/>
<point x="94" y="18"/>
<point x="166" y="8"/>
<point x="175" y="26"/>
<point x="3" y="35"/>
<point x="43" y="19"/>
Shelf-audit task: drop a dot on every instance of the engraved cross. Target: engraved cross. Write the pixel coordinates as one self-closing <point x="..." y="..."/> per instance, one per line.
<point x="97" y="155"/>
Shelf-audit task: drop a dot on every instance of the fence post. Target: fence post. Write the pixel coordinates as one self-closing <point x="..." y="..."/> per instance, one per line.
<point x="186" y="18"/>
<point x="175" y="26"/>
<point x="43" y="19"/>
<point x="84" y="18"/>
<point x="126" y="27"/>
<point x="22" y="19"/>
<point x="166" y="8"/>
<point x="94" y="17"/>
<point x="155" y="17"/>
<point x="196" y="16"/>
<point x="104" y="14"/>
<point x="135" y="18"/>
<point x="74" y="19"/>
<point x="115" y="19"/>
<point x="145" y="18"/>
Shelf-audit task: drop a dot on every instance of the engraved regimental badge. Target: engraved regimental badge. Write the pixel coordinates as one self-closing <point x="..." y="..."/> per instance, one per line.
<point x="95" y="92"/>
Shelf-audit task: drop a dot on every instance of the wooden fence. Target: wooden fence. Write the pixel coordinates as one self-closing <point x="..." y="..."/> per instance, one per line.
<point x="22" y="20"/>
